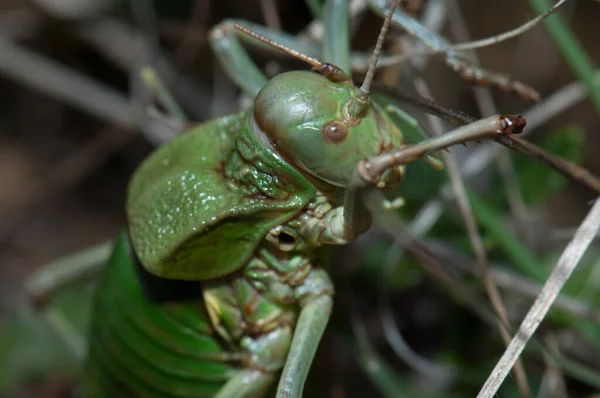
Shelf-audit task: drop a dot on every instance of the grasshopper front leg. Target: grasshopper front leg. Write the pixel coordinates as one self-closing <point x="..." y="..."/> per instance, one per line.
<point x="315" y="297"/>
<point x="344" y="223"/>
<point x="369" y="172"/>
<point x="246" y="383"/>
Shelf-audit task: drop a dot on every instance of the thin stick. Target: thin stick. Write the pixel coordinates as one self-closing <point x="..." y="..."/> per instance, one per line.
<point x="466" y="71"/>
<point x="506" y="35"/>
<point x="74" y="88"/>
<point x="470" y="45"/>
<point x="565" y="266"/>
<point x="49" y="77"/>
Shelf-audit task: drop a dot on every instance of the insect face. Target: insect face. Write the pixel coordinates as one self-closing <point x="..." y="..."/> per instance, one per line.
<point x="303" y="116"/>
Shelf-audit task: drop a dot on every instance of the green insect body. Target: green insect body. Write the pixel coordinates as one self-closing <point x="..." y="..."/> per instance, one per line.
<point x="215" y="288"/>
<point x="229" y="213"/>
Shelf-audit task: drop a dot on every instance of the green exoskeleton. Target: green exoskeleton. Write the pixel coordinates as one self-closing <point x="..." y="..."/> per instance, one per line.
<point x="214" y="289"/>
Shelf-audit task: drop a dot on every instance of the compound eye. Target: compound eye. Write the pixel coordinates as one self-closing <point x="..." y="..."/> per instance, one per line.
<point x="334" y="131"/>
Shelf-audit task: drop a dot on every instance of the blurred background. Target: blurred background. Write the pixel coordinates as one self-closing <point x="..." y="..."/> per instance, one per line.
<point x="76" y="120"/>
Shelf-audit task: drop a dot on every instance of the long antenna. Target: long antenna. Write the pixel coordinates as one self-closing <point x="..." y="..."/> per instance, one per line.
<point x="332" y="72"/>
<point x="358" y="104"/>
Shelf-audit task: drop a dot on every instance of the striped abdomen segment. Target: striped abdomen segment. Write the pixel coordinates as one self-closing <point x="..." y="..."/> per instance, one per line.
<point x="159" y="347"/>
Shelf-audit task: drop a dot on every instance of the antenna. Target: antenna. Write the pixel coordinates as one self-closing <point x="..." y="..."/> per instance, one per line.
<point x="332" y="72"/>
<point x="358" y="104"/>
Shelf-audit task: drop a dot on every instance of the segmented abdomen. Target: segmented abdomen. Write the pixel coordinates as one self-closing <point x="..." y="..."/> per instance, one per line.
<point x="142" y="347"/>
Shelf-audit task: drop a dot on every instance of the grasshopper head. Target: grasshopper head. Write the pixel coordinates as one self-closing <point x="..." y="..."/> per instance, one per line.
<point x="322" y="123"/>
<point x="304" y="117"/>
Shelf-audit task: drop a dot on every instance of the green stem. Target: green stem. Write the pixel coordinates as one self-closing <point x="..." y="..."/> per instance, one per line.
<point x="524" y="260"/>
<point x="315" y="7"/>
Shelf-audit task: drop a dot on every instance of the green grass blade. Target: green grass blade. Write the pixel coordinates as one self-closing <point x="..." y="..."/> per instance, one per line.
<point x="573" y="52"/>
<point x="523" y="259"/>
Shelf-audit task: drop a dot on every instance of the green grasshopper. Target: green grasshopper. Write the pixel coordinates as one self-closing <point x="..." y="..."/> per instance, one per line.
<point x="214" y="289"/>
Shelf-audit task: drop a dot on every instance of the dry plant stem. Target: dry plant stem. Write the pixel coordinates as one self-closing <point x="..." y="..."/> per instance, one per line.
<point x="452" y="59"/>
<point x="433" y="18"/>
<point x="77" y="90"/>
<point x="566" y="264"/>
<point x="563" y="166"/>
<point x="69" y="86"/>
<point x="506" y="35"/>
<point x="471" y="45"/>
<point x="126" y="46"/>
<point x="466" y="212"/>
<point x="510" y="281"/>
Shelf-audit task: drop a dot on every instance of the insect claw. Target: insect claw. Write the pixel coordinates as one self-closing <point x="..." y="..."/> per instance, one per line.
<point x="512" y="124"/>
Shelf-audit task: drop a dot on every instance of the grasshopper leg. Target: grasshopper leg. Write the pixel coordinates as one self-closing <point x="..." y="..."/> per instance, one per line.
<point x="246" y="383"/>
<point x="50" y="279"/>
<point x="235" y="60"/>
<point x="355" y="215"/>
<point x="414" y="125"/>
<point x="316" y="301"/>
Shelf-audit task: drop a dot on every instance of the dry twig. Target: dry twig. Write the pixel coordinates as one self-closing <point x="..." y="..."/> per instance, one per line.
<point x="566" y="264"/>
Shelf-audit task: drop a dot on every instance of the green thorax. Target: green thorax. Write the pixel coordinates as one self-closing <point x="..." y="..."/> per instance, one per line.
<point x="199" y="206"/>
<point x="256" y="307"/>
